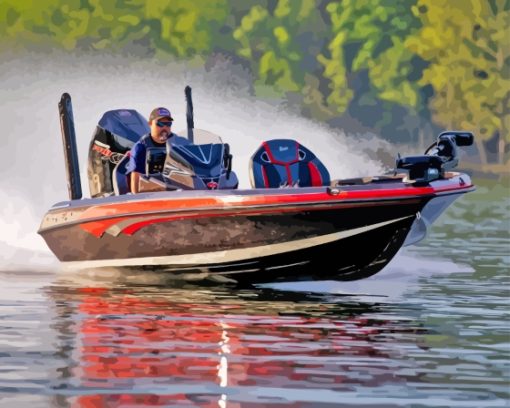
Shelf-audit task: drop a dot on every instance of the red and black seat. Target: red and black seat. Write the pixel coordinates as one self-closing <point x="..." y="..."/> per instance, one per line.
<point x="284" y="162"/>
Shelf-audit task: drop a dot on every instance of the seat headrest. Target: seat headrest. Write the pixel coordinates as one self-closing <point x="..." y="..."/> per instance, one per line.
<point x="285" y="162"/>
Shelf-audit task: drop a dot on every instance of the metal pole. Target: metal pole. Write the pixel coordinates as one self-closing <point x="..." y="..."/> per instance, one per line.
<point x="189" y="113"/>
<point x="70" y="148"/>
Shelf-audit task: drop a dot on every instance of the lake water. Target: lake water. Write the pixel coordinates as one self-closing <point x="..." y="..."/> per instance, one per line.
<point x="431" y="330"/>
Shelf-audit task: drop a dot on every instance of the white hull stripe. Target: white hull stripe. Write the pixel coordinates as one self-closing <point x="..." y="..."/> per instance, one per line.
<point x="232" y="255"/>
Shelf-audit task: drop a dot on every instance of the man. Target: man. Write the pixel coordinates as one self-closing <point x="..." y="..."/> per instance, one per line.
<point x="160" y="122"/>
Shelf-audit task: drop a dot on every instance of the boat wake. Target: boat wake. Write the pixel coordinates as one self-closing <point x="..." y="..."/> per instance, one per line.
<point x="20" y="247"/>
<point x="391" y="284"/>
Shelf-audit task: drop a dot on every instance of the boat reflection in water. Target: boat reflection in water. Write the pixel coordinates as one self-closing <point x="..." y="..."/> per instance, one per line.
<point x="217" y="347"/>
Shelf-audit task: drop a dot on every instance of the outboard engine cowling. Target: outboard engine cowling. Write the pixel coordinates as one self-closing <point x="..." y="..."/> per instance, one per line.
<point x="117" y="131"/>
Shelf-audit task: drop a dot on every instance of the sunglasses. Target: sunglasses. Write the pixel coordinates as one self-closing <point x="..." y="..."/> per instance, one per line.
<point x="163" y="124"/>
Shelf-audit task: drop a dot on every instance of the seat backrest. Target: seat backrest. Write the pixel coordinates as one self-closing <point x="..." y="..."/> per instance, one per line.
<point x="285" y="162"/>
<point x="120" y="180"/>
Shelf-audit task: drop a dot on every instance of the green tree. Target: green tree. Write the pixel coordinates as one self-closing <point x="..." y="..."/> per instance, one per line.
<point x="276" y="40"/>
<point x="468" y="46"/>
<point x="369" y="35"/>
<point x="177" y="27"/>
<point x="184" y="28"/>
<point x="22" y="22"/>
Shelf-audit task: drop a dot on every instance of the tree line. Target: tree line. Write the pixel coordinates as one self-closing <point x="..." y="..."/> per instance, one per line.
<point x="404" y="68"/>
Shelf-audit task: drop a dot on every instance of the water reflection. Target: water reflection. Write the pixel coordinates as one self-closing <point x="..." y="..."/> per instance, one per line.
<point x="120" y="340"/>
<point x="132" y="345"/>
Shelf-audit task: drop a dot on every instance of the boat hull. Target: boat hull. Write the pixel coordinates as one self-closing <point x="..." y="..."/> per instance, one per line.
<point x="254" y="236"/>
<point x="232" y="245"/>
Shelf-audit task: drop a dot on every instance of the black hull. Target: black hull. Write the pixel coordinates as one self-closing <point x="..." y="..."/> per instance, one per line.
<point x="344" y="243"/>
<point x="349" y="259"/>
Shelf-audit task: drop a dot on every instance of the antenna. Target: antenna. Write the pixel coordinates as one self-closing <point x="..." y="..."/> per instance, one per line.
<point x="65" y="109"/>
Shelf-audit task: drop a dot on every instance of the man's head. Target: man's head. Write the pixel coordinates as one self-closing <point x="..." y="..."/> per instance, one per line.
<point x="160" y="122"/>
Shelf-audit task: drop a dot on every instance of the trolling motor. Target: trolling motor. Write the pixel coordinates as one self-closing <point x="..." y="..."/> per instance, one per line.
<point x="439" y="157"/>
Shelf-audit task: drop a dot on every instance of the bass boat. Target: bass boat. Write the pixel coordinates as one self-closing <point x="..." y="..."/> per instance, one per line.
<point x="190" y="217"/>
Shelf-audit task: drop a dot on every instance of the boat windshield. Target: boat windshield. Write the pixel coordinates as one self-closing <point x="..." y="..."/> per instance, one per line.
<point x="201" y="136"/>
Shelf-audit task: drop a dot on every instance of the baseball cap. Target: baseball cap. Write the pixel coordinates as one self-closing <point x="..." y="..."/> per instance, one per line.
<point x="159" y="113"/>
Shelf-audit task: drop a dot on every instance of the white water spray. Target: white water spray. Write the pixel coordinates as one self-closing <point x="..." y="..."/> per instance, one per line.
<point x="32" y="167"/>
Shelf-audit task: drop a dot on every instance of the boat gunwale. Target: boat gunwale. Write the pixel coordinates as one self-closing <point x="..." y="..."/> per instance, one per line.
<point x="247" y="210"/>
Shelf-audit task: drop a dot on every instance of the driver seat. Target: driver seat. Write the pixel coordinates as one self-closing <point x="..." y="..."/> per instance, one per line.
<point x="286" y="163"/>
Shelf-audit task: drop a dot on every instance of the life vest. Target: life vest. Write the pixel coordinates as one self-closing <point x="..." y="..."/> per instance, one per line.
<point x="155" y="154"/>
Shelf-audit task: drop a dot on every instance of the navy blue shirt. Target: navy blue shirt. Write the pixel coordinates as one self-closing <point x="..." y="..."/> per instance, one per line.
<point x="137" y="157"/>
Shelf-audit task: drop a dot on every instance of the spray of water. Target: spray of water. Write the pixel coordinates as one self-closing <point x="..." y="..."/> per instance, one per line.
<point x="32" y="166"/>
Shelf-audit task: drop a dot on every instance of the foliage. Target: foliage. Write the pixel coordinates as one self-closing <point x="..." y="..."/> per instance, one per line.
<point x="368" y="35"/>
<point x="468" y="46"/>
<point x="382" y="63"/>
<point x="175" y="27"/>
<point x="181" y="27"/>
<point x="277" y="42"/>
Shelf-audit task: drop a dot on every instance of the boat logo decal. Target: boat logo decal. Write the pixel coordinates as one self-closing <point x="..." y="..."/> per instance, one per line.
<point x="105" y="151"/>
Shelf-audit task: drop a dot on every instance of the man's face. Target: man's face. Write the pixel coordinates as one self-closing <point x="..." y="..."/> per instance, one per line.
<point x="161" y="129"/>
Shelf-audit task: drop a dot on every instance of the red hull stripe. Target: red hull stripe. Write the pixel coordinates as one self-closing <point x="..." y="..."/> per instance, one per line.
<point x="98" y="228"/>
<point x="211" y="205"/>
<point x="127" y="208"/>
<point x="242" y="201"/>
<point x="131" y="229"/>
